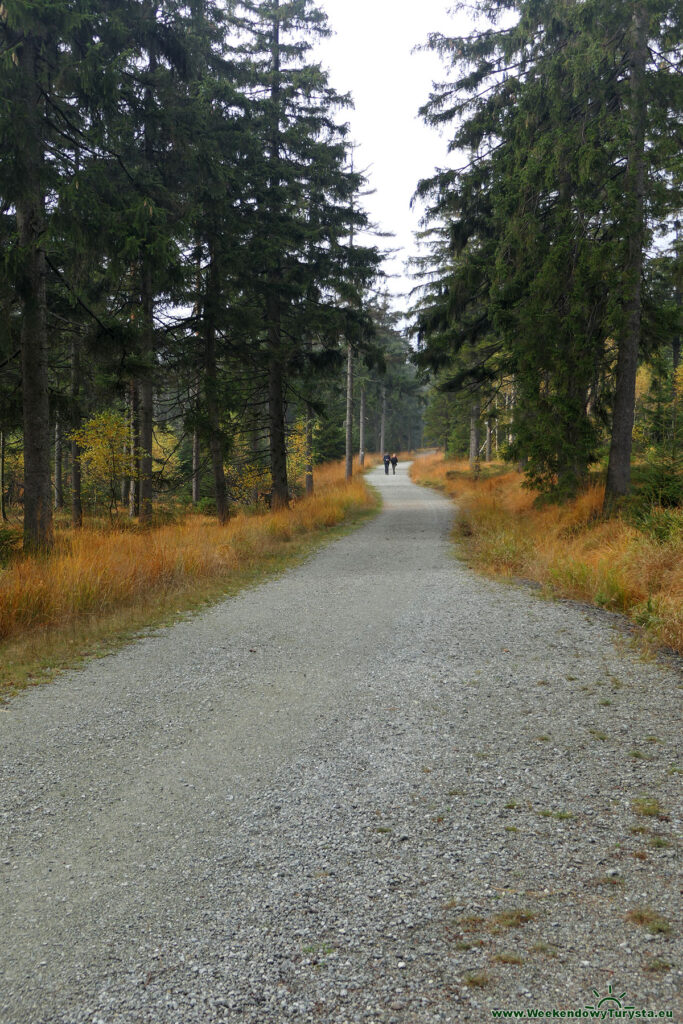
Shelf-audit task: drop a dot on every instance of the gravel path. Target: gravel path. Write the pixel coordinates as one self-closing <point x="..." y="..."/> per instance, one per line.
<point x="377" y="789"/>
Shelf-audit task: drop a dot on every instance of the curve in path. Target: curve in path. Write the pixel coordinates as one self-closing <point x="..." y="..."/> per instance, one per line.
<point x="312" y="801"/>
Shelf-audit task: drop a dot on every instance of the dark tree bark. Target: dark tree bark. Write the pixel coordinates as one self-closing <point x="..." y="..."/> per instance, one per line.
<point x="31" y="271"/>
<point x="76" y="499"/>
<point x="474" y="433"/>
<point x="309" y="450"/>
<point x="276" y="423"/>
<point x="349" y="414"/>
<point x="361" y="445"/>
<point x="196" y="473"/>
<point x="134" y="489"/>
<point x="146" y="398"/>
<point x="216" y="439"/>
<point x="383" y="421"/>
<point x="676" y="342"/>
<point x="59" y="466"/>
<point x="619" y="466"/>
<point x="276" y="365"/>
<point x="125" y="480"/>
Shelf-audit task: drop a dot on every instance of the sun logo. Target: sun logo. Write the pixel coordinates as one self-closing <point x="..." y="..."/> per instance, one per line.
<point x="614" y="1001"/>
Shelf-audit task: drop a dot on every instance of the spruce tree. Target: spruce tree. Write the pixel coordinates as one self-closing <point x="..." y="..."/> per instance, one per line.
<point x="302" y="267"/>
<point x="551" y="201"/>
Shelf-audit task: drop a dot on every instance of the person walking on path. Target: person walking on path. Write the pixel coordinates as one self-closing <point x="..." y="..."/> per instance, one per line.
<point x="394" y="462"/>
<point x="387" y="460"/>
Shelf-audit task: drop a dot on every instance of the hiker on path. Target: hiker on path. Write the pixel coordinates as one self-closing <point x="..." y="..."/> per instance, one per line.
<point x="387" y="460"/>
<point x="394" y="462"/>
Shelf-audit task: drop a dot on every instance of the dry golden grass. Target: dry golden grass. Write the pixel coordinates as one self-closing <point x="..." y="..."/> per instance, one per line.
<point x="569" y="548"/>
<point x="97" y="585"/>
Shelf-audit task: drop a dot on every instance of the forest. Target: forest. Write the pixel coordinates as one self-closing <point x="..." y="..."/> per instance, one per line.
<point x="185" y="300"/>
<point x="192" y="313"/>
<point x="551" y="306"/>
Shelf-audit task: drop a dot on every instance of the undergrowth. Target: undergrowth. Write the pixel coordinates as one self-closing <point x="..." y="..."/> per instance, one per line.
<point x="628" y="564"/>
<point x="98" y="585"/>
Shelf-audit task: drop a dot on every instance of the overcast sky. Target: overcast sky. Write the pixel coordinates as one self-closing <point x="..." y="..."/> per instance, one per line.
<point x="370" y="56"/>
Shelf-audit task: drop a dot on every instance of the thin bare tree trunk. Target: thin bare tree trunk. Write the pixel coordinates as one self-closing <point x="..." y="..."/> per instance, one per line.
<point x="474" y="433"/>
<point x="146" y="401"/>
<point x="495" y="428"/>
<point x="196" y="473"/>
<point x="349" y="413"/>
<point x="125" y="479"/>
<point x="309" y="450"/>
<point x="216" y="443"/>
<point x="383" y="421"/>
<point x="134" y="491"/>
<point x="278" y="441"/>
<point x="147" y="295"/>
<point x="488" y="440"/>
<point x="361" y="457"/>
<point x="76" y="497"/>
<point x="59" y="464"/>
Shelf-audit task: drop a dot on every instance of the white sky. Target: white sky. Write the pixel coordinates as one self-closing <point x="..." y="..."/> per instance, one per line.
<point x="370" y="57"/>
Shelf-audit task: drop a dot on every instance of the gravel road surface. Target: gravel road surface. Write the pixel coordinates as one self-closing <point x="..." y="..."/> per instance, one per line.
<point x="377" y="789"/>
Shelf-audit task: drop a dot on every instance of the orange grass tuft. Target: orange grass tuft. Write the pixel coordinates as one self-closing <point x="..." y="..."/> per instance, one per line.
<point x="569" y="548"/>
<point x="92" y="572"/>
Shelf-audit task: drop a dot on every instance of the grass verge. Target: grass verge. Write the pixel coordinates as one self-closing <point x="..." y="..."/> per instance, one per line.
<point x="98" y="588"/>
<point x="569" y="548"/>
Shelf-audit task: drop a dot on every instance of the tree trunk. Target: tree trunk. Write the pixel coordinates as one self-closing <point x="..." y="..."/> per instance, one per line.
<point x="276" y="423"/>
<point x="495" y="428"/>
<point x="3" y="510"/>
<point x="474" y="433"/>
<point x="147" y="295"/>
<point x="134" y="491"/>
<point x="309" y="450"/>
<point x="31" y="271"/>
<point x="216" y="441"/>
<point x="383" y="421"/>
<point x="59" y="468"/>
<point x="125" y="479"/>
<point x="361" y="446"/>
<point x="146" y="400"/>
<point x="619" y="466"/>
<point x="196" y="473"/>
<point x="349" y="413"/>
<point x="76" y="498"/>
<point x="676" y="341"/>
<point x="488" y="440"/>
<point x="276" y="367"/>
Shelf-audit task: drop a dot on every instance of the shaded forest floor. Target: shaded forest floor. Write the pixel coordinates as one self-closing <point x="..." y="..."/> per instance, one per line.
<point x="632" y="565"/>
<point x="102" y="585"/>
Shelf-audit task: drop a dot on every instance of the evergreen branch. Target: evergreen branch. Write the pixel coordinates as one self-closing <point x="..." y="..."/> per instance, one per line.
<point x="94" y="151"/>
<point x="58" y="273"/>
